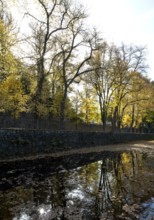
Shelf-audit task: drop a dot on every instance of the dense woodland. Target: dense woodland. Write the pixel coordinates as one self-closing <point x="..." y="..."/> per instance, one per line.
<point x="58" y="67"/>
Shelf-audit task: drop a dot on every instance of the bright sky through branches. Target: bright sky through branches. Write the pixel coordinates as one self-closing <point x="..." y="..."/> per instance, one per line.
<point x="128" y="21"/>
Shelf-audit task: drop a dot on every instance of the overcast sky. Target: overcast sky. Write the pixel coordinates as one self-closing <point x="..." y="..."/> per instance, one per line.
<point x="128" y="21"/>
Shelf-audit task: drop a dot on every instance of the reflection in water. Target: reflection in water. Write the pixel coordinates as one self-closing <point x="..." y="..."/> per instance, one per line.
<point x="108" y="185"/>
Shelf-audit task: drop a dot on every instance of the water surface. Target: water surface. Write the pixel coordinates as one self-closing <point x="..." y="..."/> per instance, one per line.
<point x="93" y="186"/>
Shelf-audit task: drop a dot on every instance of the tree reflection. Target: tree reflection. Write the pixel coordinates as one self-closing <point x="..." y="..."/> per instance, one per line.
<point x="111" y="188"/>
<point x="119" y="185"/>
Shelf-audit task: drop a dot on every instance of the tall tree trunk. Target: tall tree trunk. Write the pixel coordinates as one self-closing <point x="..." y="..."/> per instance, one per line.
<point x="119" y="120"/>
<point x="114" y="119"/>
<point x="104" y="118"/>
<point x="41" y="77"/>
<point x="38" y="93"/>
<point x="103" y="113"/>
<point x="133" y="118"/>
<point x="62" y="110"/>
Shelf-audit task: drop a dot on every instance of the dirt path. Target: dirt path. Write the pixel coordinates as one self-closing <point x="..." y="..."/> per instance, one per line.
<point x="137" y="145"/>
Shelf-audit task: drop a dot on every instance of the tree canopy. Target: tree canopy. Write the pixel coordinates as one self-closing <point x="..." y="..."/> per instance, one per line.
<point x="61" y="56"/>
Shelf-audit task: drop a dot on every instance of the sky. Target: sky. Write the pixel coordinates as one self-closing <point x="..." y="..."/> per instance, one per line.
<point x="127" y="21"/>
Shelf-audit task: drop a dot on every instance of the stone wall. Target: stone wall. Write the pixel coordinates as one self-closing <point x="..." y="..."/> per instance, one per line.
<point x="22" y="143"/>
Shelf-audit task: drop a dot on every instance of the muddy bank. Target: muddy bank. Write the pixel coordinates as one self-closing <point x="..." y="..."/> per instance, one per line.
<point x="24" y="143"/>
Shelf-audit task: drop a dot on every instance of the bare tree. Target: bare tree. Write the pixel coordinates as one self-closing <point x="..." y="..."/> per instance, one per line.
<point x="45" y="30"/>
<point x="128" y="59"/>
<point x="112" y="79"/>
<point x="72" y="66"/>
<point x="59" y="39"/>
<point x="103" y="79"/>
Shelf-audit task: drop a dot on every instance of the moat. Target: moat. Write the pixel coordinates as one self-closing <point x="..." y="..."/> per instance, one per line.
<point x="111" y="185"/>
